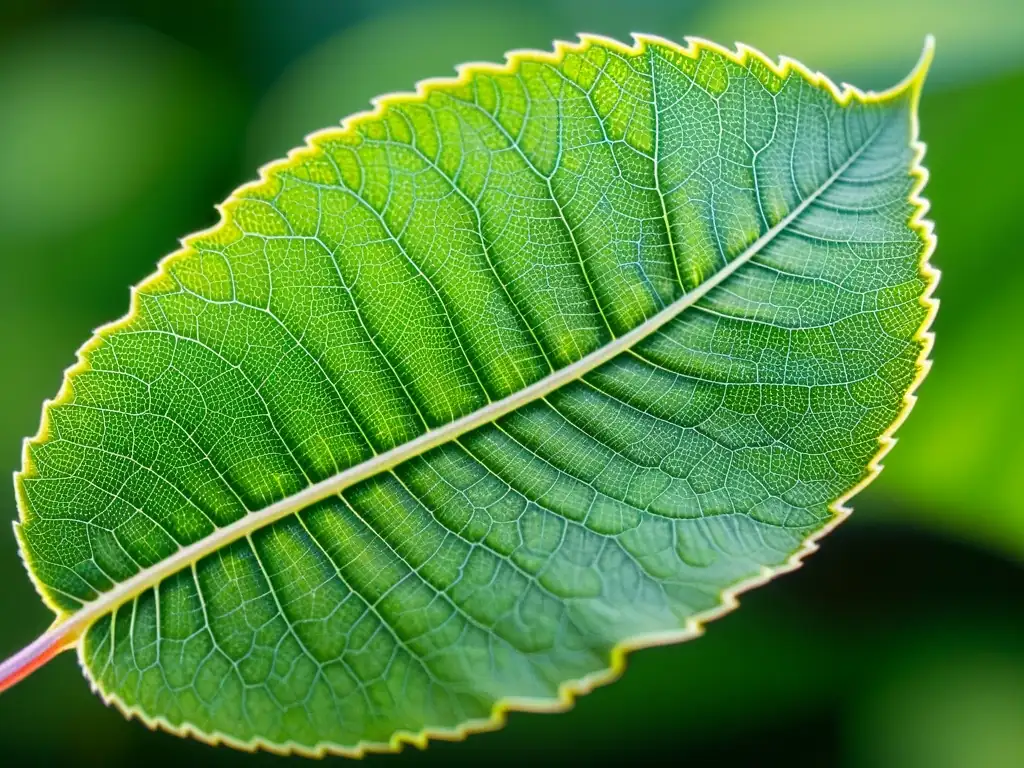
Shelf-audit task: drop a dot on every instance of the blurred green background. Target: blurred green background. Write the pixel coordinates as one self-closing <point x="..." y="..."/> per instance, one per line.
<point x="900" y="644"/>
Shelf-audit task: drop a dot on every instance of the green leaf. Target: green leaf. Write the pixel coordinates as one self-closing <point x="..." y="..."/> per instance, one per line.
<point x="480" y="391"/>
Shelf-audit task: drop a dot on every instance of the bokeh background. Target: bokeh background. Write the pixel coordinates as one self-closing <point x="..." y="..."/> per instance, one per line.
<point x="900" y="644"/>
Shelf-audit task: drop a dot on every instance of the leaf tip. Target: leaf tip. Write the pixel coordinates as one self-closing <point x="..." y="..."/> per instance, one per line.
<point x="914" y="82"/>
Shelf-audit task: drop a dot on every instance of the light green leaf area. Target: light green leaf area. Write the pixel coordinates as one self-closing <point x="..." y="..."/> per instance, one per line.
<point x="480" y="390"/>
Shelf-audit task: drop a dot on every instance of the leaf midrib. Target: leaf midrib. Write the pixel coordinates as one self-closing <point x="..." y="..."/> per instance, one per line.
<point x="74" y="625"/>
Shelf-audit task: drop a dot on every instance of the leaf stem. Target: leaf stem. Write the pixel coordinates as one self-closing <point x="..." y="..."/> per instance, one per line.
<point x="58" y="638"/>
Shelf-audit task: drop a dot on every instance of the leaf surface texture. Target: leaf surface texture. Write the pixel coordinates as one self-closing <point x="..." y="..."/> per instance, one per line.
<point x="706" y="272"/>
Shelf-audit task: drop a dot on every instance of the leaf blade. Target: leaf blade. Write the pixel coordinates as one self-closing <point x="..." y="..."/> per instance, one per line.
<point x="389" y="491"/>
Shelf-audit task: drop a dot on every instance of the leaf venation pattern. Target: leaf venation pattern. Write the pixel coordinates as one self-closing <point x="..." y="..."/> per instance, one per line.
<point x="441" y="255"/>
